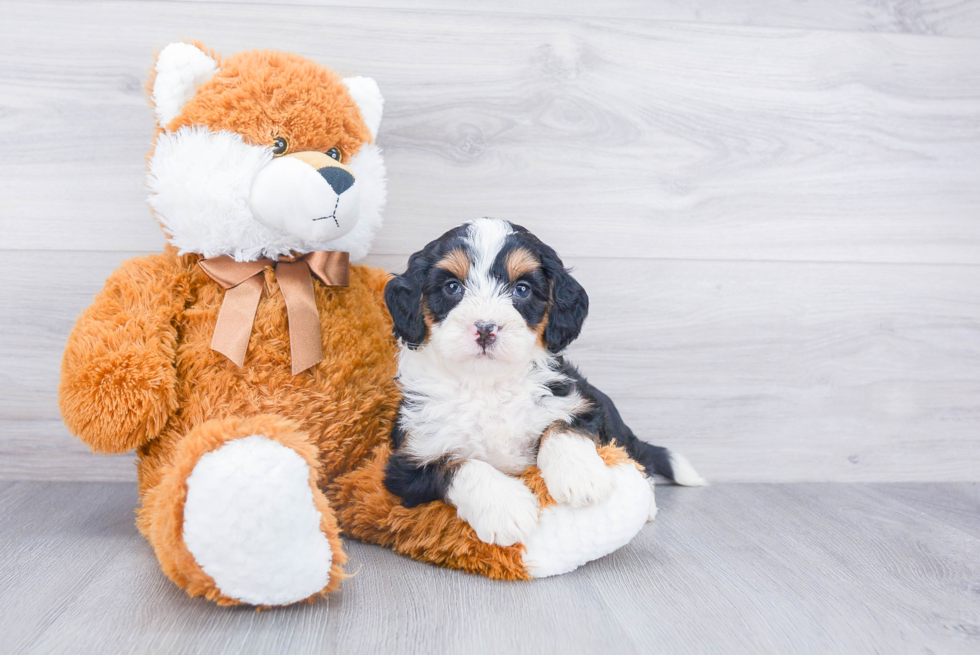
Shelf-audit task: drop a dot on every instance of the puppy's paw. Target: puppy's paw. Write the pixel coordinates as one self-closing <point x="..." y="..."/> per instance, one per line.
<point x="501" y="509"/>
<point x="573" y="471"/>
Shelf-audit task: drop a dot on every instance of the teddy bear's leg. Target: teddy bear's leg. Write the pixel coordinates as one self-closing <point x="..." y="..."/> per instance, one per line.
<point x="238" y="516"/>
<point x="431" y="532"/>
<point x="566" y="537"/>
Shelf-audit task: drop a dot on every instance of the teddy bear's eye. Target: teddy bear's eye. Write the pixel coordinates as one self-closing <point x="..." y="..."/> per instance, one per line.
<point x="279" y="146"/>
<point x="334" y="153"/>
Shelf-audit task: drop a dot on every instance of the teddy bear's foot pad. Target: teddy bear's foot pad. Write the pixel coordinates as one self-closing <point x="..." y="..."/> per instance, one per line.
<point x="568" y="537"/>
<point x="251" y="523"/>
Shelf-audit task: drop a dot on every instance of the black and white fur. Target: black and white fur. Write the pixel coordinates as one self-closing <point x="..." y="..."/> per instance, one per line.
<point x="483" y="314"/>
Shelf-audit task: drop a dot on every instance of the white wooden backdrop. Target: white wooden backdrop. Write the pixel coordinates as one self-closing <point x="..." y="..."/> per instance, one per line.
<point x="774" y="204"/>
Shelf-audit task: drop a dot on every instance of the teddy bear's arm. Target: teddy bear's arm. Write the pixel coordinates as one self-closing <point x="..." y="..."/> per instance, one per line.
<point x="117" y="375"/>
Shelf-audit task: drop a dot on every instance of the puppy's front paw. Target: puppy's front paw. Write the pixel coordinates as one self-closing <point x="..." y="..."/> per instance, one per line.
<point x="501" y="509"/>
<point x="573" y="471"/>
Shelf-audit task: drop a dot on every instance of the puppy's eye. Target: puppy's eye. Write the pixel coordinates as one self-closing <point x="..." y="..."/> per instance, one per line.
<point x="522" y="290"/>
<point x="452" y="287"/>
<point x="280" y="146"/>
<point x="334" y="153"/>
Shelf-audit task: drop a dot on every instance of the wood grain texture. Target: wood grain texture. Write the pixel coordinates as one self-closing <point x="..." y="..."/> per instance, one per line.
<point x="773" y="205"/>
<point x="768" y="371"/>
<point x="928" y="17"/>
<point x="730" y="568"/>
<point x="44" y="450"/>
<point x="609" y="137"/>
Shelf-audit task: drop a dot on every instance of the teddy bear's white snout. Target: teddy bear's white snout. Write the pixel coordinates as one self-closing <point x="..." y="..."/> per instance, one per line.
<point x="315" y="204"/>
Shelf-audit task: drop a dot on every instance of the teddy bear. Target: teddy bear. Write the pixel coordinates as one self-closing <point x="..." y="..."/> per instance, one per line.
<point x="252" y="367"/>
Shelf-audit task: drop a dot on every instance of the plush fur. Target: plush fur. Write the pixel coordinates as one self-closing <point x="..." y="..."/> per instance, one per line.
<point x="258" y="490"/>
<point x="138" y="370"/>
<point x="139" y="373"/>
<point x="216" y="143"/>
<point x="432" y="532"/>
<point x="161" y="518"/>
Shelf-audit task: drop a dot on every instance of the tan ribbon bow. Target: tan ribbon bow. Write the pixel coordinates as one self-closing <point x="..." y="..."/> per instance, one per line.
<point x="243" y="288"/>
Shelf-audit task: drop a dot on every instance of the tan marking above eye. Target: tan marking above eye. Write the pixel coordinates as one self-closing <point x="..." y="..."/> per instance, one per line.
<point x="520" y="262"/>
<point x="456" y="262"/>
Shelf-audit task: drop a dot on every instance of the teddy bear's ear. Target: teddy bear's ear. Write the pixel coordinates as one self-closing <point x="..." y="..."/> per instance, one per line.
<point x="367" y="95"/>
<point x="180" y="69"/>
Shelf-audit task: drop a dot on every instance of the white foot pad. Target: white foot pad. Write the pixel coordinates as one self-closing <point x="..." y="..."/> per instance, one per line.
<point x="251" y="524"/>
<point x="568" y="537"/>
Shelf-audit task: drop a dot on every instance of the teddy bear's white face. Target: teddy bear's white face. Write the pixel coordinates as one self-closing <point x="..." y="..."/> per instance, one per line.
<point x="216" y="194"/>
<point x="310" y="195"/>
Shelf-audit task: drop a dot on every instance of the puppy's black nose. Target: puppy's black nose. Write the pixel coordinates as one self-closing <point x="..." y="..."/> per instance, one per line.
<point x="338" y="179"/>
<point x="485" y="334"/>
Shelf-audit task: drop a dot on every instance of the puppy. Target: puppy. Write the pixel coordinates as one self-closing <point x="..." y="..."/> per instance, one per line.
<point x="482" y="315"/>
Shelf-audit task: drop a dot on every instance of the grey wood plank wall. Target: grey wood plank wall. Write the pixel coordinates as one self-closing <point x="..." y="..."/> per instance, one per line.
<point x="775" y="206"/>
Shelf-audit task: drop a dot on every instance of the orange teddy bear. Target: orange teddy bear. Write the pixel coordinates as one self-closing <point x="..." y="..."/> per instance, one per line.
<point x="252" y="368"/>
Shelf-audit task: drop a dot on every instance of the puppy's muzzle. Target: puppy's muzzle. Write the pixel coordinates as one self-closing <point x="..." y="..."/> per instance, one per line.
<point x="486" y="334"/>
<point x="308" y="194"/>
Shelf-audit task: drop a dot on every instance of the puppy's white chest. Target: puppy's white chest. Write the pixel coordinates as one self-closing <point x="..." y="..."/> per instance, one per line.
<point x="498" y="425"/>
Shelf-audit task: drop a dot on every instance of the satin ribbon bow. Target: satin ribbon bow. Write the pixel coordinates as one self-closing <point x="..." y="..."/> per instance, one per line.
<point x="243" y="284"/>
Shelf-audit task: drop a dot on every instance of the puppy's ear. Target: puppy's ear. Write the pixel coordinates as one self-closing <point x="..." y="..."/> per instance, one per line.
<point x="403" y="295"/>
<point x="569" y="304"/>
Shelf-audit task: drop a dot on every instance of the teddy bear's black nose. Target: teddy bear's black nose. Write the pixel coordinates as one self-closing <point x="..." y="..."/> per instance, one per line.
<point x="338" y="179"/>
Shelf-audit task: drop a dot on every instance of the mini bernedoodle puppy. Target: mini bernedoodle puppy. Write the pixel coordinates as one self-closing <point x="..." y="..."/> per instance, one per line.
<point x="482" y="315"/>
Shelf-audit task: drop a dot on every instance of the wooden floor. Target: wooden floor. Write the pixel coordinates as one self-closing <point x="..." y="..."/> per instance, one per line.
<point x="732" y="568"/>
